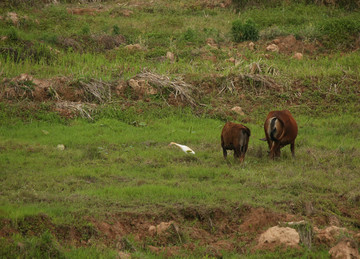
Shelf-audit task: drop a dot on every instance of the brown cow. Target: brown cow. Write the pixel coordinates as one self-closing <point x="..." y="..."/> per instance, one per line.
<point x="280" y="130"/>
<point x="235" y="137"/>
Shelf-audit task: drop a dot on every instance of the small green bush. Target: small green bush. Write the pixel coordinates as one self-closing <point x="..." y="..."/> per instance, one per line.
<point x="244" y="31"/>
<point x="13" y="34"/>
<point x="339" y="31"/>
<point x="116" y="30"/>
<point x="85" y="30"/>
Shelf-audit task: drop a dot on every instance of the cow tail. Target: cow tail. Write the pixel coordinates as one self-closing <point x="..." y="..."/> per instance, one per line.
<point x="244" y="138"/>
<point x="273" y="129"/>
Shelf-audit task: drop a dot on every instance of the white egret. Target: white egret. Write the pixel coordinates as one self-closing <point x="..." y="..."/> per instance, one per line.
<point x="184" y="148"/>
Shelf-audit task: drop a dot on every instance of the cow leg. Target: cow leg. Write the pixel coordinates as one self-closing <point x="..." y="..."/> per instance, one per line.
<point x="292" y="148"/>
<point x="242" y="157"/>
<point x="224" y="152"/>
<point x="236" y="152"/>
<point x="275" y="150"/>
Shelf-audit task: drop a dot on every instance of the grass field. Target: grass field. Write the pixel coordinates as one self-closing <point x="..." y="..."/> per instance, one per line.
<point x="88" y="183"/>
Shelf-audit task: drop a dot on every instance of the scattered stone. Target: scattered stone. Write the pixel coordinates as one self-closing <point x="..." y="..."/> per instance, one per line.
<point x="329" y="235"/>
<point x="152" y="230"/>
<point x="163" y="227"/>
<point x="345" y="249"/>
<point x="60" y="147"/>
<point x="251" y="46"/>
<point x="298" y="56"/>
<point x="154" y="249"/>
<point x="127" y="13"/>
<point x="211" y="42"/>
<point x="133" y="47"/>
<point x="273" y="48"/>
<point x="276" y="41"/>
<point x="170" y="56"/>
<point x="22" y="78"/>
<point x="122" y="255"/>
<point x="142" y="87"/>
<point x="231" y="60"/>
<point x="13" y="17"/>
<point x="120" y="88"/>
<point x="279" y="236"/>
<point x="238" y="110"/>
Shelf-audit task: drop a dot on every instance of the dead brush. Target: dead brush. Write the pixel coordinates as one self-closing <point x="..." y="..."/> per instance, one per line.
<point x="258" y="79"/>
<point x="164" y="84"/>
<point x="83" y="109"/>
<point x="96" y="90"/>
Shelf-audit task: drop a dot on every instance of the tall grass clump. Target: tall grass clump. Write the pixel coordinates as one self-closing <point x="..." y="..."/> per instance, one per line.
<point x="339" y="32"/>
<point x="243" y="31"/>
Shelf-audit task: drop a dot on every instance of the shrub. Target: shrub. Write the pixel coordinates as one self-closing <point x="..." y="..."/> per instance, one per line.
<point x="13" y="34"/>
<point x="116" y="30"/>
<point x="339" y="31"/>
<point x="244" y="31"/>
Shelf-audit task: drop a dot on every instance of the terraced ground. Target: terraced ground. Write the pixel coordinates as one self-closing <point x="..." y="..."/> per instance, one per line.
<point x="92" y="93"/>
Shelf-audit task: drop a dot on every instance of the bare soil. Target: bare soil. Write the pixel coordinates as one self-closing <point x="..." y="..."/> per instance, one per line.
<point x="235" y="229"/>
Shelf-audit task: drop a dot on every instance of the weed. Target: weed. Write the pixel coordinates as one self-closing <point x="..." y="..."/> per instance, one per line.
<point x="243" y="31"/>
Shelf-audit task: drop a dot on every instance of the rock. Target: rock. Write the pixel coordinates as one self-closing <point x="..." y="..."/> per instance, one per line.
<point x="329" y="235"/>
<point x="279" y="236"/>
<point x="345" y="249"/>
<point x="22" y="78"/>
<point x="170" y="56"/>
<point x="211" y="42"/>
<point x="13" y="17"/>
<point x="163" y="227"/>
<point x="60" y="147"/>
<point x="273" y="48"/>
<point x="231" y="60"/>
<point x="238" y="110"/>
<point x="152" y="230"/>
<point x="298" y="56"/>
<point x="142" y="87"/>
<point x="122" y="255"/>
<point x="251" y="46"/>
<point x="133" y="47"/>
<point x="126" y="13"/>
<point x="120" y="88"/>
<point x="153" y="249"/>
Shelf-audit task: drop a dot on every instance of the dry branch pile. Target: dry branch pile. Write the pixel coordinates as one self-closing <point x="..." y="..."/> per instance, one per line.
<point x="97" y="90"/>
<point x="163" y="83"/>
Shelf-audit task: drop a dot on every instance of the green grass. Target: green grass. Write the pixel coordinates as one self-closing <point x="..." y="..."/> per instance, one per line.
<point x="111" y="164"/>
<point x="180" y="29"/>
<point x="120" y="161"/>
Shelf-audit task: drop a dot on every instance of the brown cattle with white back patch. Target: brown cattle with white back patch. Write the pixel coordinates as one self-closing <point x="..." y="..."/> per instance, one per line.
<point x="235" y="137"/>
<point x="280" y="130"/>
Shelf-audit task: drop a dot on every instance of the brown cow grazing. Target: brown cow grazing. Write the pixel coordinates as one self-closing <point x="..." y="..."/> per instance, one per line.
<point x="235" y="137"/>
<point x="280" y="130"/>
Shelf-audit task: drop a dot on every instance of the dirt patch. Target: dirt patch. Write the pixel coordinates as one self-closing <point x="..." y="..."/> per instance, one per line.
<point x="170" y="232"/>
<point x="290" y="45"/>
<point x="93" y="43"/>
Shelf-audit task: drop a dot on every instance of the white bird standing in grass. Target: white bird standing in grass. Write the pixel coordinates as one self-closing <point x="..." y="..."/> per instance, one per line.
<point x="184" y="148"/>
